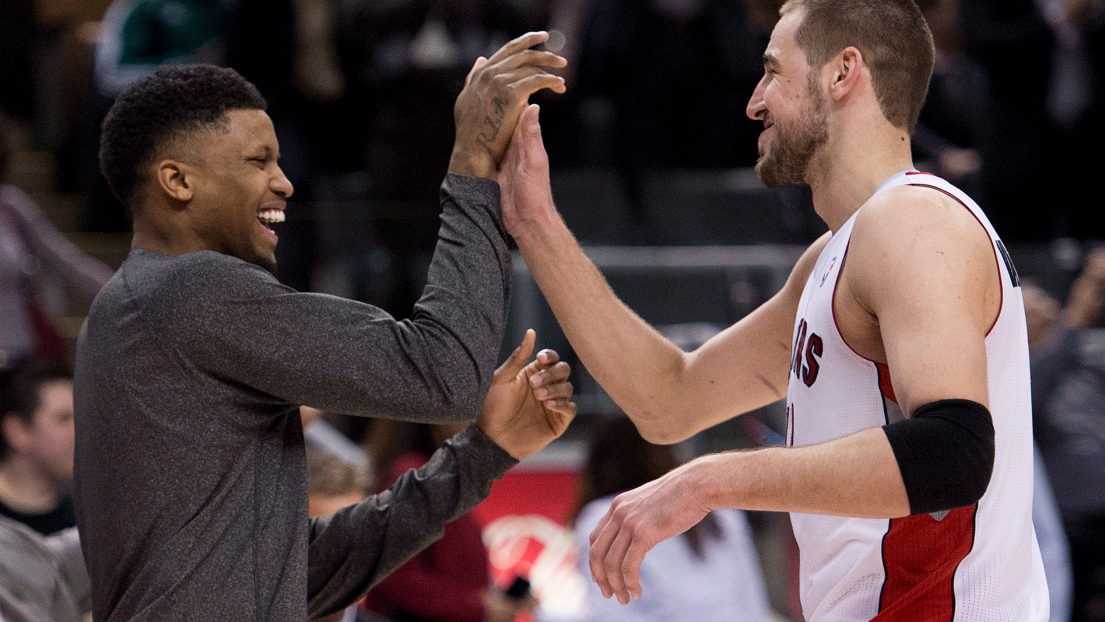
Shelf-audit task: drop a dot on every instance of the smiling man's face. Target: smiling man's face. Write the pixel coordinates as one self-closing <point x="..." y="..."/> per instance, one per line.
<point x="239" y="187"/>
<point x="791" y="106"/>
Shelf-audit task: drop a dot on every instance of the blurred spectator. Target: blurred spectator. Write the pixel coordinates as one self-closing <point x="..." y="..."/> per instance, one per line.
<point x="1052" y="538"/>
<point x="136" y="37"/>
<point x="332" y="485"/>
<point x="1076" y="106"/>
<point x="36" y="448"/>
<point x="42" y="578"/>
<point x="660" y="84"/>
<point x="406" y="60"/>
<point x="947" y="131"/>
<point x="448" y="582"/>
<point x="711" y="572"/>
<point x="1012" y="43"/>
<point x="31" y="248"/>
<point x="1068" y="394"/>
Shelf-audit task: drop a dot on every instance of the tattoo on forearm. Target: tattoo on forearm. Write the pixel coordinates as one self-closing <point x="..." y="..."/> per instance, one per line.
<point x="494" y="122"/>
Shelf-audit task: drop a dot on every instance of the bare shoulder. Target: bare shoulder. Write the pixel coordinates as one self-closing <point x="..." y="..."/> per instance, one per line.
<point x="919" y="239"/>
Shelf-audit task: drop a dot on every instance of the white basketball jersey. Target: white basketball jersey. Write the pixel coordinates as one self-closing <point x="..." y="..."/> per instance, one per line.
<point x="979" y="563"/>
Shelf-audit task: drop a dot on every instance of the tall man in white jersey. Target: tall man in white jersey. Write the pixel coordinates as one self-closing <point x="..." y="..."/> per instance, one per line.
<point x="898" y="340"/>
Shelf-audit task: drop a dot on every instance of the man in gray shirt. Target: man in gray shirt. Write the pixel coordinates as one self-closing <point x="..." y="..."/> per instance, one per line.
<point x="190" y="485"/>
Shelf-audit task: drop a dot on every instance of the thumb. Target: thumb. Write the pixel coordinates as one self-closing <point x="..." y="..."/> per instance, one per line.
<point x="518" y="359"/>
<point x="530" y="123"/>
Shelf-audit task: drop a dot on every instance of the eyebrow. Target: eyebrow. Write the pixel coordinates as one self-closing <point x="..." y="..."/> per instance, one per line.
<point x="770" y="60"/>
<point x="267" y="151"/>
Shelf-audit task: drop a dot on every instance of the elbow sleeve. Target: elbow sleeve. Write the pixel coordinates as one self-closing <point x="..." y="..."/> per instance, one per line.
<point x="945" y="453"/>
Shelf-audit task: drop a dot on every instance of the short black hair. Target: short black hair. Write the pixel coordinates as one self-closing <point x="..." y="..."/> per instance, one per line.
<point x="20" y="387"/>
<point x="166" y="103"/>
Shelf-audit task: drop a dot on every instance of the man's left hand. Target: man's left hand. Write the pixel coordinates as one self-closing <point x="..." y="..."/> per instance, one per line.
<point x="529" y="405"/>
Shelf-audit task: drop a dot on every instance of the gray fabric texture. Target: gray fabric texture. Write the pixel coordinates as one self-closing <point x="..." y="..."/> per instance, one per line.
<point x="190" y="471"/>
<point x="42" y="578"/>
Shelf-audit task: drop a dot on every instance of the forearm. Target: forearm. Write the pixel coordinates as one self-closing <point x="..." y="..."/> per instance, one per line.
<point x="637" y="366"/>
<point x="856" y="475"/>
<point x="235" y="321"/>
<point x="360" y="545"/>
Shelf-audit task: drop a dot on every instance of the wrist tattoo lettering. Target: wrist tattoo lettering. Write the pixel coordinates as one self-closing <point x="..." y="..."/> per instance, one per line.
<point x="494" y="122"/>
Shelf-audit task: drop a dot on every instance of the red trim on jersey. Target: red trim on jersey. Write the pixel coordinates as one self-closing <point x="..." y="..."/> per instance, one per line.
<point x="993" y="247"/>
<point x="919" y="173"/>
<point x="920" y="556"/>
<point x="886" y="387"/>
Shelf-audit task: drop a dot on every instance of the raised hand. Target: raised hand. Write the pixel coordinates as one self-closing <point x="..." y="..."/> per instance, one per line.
<point x="495" y="93"/>
<point x="524" y="177"/>
<point x="528" y="405"/>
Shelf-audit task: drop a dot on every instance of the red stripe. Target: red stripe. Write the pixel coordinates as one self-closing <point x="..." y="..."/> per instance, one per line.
<point x="919" y="173"/>
<point x="885" y="384"/>
<point x="920" y="555"/>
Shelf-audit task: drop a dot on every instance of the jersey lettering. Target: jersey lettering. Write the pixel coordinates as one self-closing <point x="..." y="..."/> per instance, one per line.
<point x="805" y="360"/>
<point x="814" y="350"/>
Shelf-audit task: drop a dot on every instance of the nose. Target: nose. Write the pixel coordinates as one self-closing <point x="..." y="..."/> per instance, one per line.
<point x="757" y="107"/>
<point x="281" y="185"/>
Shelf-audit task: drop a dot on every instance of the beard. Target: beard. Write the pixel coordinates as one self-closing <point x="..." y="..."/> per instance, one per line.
<point x="787" y="163"/>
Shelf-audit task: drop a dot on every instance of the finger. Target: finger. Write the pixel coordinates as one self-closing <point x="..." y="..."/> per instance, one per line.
<point x="614" y="563"/>
<point x="517" y="360"/>
<point x="565" y="411"/>
<point x="548" y="358"/>
<point x="556" y="374"/>
<point x="529" y="58"/>
<point x="480" y="62"/>
<point x="631" y="567"/>
<point x="601" y="538"/>
<point x="554" y="391"/>
<point x="538" y="80"/>
<point x="524" y="42"/>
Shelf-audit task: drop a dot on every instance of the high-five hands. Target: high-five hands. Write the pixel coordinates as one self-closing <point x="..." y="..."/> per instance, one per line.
<point x="495" y="93"/>
<point x="528" y="405"/>
<point x="637" y="521"/>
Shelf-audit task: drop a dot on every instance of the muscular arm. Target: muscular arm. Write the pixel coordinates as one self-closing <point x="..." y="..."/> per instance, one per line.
<point x="357" y="547"/>
<point x="668" y="393"/>
<point x="922" y="274"/>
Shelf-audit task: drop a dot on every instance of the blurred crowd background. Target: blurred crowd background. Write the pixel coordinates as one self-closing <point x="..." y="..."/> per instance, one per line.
<point x="651" y="157"/>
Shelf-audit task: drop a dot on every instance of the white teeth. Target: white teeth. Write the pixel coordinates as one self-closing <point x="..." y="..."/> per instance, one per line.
<point x="271" y="215"/>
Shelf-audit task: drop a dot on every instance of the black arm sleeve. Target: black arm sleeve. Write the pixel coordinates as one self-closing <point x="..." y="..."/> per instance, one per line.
<point x="358" y="546"/>
<point x="945" y="452"/>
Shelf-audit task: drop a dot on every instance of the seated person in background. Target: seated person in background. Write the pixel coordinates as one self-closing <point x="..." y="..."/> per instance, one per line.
<point x="447" y="582"/>
<point x="36" y="447"/>
<point x="711" y="572"/>
<point x="31" y="247"/>
<point x="1068" y="404"/>
<point x="42" y="578"/>
<point x="333" y="484"/>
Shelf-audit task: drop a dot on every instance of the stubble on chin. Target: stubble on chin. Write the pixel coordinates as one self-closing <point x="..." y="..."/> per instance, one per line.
<point x="787" y="162"/>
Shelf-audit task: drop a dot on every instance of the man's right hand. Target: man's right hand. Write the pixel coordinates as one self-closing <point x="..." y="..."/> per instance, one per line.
<point x="495" y="93"/>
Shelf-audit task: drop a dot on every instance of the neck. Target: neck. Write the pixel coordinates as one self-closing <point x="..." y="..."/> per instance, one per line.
<point x="856" y="162"/>
<point x="164" y="237"/>
<point x="26" y="489"/>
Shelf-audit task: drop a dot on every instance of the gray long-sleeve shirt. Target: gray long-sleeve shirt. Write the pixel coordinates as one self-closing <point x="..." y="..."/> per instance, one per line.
<point x="190" y="477"/>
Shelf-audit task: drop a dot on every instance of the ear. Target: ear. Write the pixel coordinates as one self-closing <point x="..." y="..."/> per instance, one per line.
<point x="14" y="430"/>
<point x="176" y="179"/>
<point x="845" y="71"/>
